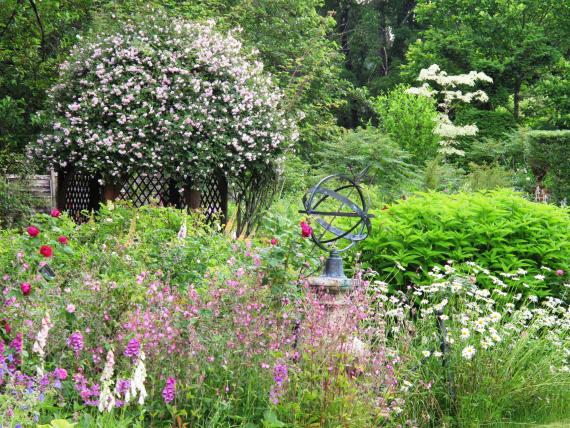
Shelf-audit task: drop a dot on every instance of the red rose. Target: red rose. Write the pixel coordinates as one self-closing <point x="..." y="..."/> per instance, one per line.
<point x="63" y="240"/>
<point x="306" y="230"/>
<point x="46" y="251"/>
<point x="273" y="241"/>
<point x="55" y="213"/>
<point x="26" y="288"/>
<point x="33" y="231"/>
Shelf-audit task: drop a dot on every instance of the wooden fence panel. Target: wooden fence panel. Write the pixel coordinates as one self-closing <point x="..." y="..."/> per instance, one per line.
<point x="42" y="187"/>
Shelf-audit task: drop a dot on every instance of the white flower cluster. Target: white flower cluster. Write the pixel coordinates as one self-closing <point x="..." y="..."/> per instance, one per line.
<point x="445" y="128"/>
<point x="40" y="342"/>
<point x="107" y="399"/>
<point x="137" y="382"/>
<point x="165" y="95"/>
<point x="435" y="74"/>
<point x="477" y="320"/>
<point x="41" y="338"/>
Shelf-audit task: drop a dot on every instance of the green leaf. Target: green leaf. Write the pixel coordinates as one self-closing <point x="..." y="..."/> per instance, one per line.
<point x="270" y="420"/>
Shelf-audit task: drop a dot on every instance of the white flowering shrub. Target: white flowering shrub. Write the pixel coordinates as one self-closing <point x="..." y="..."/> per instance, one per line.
<point x="164" y="95"/>
<point x="449" y="95"/>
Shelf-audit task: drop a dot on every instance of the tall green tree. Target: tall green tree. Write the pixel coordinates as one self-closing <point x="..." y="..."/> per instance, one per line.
<point x="374" y="36"/>
<point x="297" y="45"/>
<point x="33" y="36"/>
<point x="514" y="41"/>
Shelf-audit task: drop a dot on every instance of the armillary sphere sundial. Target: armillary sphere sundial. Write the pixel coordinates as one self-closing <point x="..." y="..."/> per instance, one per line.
<point x="338" y="206"/>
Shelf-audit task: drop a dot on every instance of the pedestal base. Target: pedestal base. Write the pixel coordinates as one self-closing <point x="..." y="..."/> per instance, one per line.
<point x="337" y="303"/>
<point x="330" y="285"/>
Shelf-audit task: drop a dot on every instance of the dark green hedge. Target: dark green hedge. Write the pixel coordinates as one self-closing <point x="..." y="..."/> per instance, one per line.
<point x="548" y="155"/>
<point x="491" y="123"/>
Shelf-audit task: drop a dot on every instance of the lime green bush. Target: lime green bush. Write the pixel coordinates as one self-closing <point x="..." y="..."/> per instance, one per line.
<point x="499" y="230"/>
<point x="548" y="154"/>
<point x="410" y="121"/>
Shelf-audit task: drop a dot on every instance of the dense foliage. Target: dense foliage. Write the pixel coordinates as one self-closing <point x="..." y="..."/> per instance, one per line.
<point x="410" y="121"/>
<point x="498" y="230"/>
<point x="138" y="326"/>
<point x="16" y="204"/>
<point x="514" y="42"/>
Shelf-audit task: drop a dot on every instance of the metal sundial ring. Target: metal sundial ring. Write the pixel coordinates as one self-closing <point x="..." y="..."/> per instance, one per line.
<point x="354" y="233"/>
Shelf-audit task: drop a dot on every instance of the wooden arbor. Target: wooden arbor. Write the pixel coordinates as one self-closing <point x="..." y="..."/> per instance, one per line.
<point x="77" y="192"/>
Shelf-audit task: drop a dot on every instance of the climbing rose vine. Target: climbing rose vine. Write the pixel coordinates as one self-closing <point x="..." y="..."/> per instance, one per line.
<point x="164" y="95"/>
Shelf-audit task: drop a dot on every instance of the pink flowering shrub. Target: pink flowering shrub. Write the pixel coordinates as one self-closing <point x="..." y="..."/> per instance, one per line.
<point x="165" y="95"/>
<point x="142" y="342"/>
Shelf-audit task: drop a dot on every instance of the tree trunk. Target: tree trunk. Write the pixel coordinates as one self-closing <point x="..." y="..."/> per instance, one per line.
<point x="193" y="198"/>
<point x="517" y="99"/>
<point x="384" y="39"/>
<point x="343" y="29"/>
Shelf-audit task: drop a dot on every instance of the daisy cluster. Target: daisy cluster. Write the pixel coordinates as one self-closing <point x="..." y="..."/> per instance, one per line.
<point x="477" y="320"/>
<point x="164" y="95"/>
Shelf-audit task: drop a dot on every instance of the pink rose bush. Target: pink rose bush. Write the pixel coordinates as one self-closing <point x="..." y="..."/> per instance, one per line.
<point x="174" y="96"/>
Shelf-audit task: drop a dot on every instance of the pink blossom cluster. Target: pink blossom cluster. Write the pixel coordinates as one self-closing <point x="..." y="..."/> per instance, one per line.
<point x="165" y="95"/>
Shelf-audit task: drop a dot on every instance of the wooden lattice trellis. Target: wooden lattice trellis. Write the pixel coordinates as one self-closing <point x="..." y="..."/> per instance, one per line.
<point x="78" y="192"/>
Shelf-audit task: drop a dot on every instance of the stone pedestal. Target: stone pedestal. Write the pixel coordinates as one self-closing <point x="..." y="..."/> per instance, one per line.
<point x="336" y="300"/>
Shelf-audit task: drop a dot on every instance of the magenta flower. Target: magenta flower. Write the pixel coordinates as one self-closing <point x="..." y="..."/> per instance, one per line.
<point x="280" y="376"/>
<point x="306" y="230"/>
<point x="123" y="386"/>
<point x="280" y="373"/>
<point x="133" y="348"/>
<point x="55" y="212"/>
<point x="18" y="343"/>
<point x="75" y="342"/>
<point x="60" y="373"/>
<point x="26" y="288"/>
<point x="559" y="272"/>
<point x="33" y="231"/>
<point x="169" y="390"/>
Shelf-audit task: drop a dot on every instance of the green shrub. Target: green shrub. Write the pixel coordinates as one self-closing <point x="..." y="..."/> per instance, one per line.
<point x="491" y="123"/>
<point x="508" y="150"/>
<point x="442" y="176"/>
<point x="16" y="204"/>
<point x="499" y="230"/>
<point x="410" y="121"/>
<point x="388" y="165"/>
<point x="548" y="154"/>
<point x="488" y="177"/>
